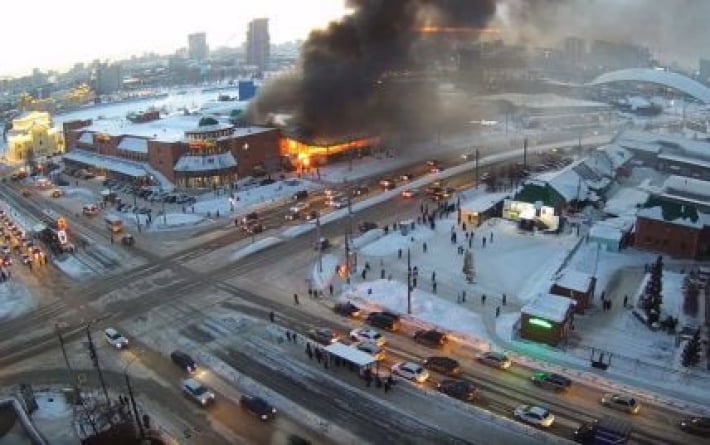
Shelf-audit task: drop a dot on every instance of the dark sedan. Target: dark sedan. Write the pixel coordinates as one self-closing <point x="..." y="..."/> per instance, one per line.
<point x="443" y="365"/>
<point x="431" y="338"/>
<point x="325" y="336"/>
<point x="258" y="407"/>
<point x="347" y="309"/>
<point x="458" y="389"/>
<point x="696" y="425"/>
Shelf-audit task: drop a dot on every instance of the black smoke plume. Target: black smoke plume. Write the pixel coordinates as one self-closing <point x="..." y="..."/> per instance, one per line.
<point x="355" y="76"/>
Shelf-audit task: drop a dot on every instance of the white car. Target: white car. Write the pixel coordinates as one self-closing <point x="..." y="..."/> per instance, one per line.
<point x="299" y="207"/>
<point x="370" y="348"/>
<point x="368" y="335"/>
<point x="534" y="415"/>
<point x="411" y="371"/>
<point x="115" y="338"/>
<point x="197" y="391"/>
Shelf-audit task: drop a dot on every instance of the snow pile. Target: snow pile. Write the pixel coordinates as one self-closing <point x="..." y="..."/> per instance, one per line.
<point x="367" y="237"/>
<point x="322" y="279"/>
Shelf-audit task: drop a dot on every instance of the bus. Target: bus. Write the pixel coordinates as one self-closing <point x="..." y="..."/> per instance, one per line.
<point x="114" y="224"/>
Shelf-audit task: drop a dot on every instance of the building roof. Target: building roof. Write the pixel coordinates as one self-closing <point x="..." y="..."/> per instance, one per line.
<point x="660" y="77"/>
<point x="130" y="143"/>
<point x="656" y="142"/>
<point x="196" y="163"/>
<point x="688" y="187"/>
<point x="675" y="213"/>
<point x="86" y="137"/>
<point x="549" y="307"/>
<point x="685" y="160"/>
<point x="112" y="163"/>
<point x="482" y="202"/>
<point x="567" y="182"/>
<point x="626" y="201"/>
<point x="574" y="280"/>
<point x="601" y="231"/>
<point x="350" y="354"/>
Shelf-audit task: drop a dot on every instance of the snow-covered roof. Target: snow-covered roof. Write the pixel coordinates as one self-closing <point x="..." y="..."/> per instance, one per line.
<point x="661" y="77"/>
<point x="637" y="102"/>
<point x="131" y="143"/>
<point x="601" y="231"/>
<point x="625" y="201"/>
<point x="616" y="154"/>
<point x="111" y="163"/>
<point x="656" y="213"/>
<point x="483" y="202"/>
<point x="567" y="183"/>
<point x="86" y="137"/>
<point x="574" y="280"/>
<point x="549" y="307"/>
<point x="350" y="354"/>
<point x="190" y="163"/>
<point x="685" y="160"/>
<point x="687" y="187"/>
<point x="655" y="142"/>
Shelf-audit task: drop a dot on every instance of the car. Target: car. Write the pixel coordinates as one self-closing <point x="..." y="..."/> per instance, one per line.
<point x="115" y="338"/>
<point x="696" y="425"/>
<point x="443" y="365"/>
<point x="25" y="259"/>
<point x="366" y="226"/>
<point x="267" y="181"/>
<point x="7" y="261"/>
<point x="431" y="338"/>
<point x="348" y="309"/>
<point x="254" y="227"/>
<point x="299" y="207"/>
<point x="292" y="216"/>
<point x="249" y="217"/>
<point x="183" y="360"/>
<point x="26" y="193"/>
<point x="410" y="193"/>
<point x="411" y="371"/>
<point x="435" y="169"/>
<point x="377" y="352"/>
<point x="340" y="203"/>
<point x="383" y="321"/>
<point x="458" y="389"/>
<point x="469" y="156"/>
<point x="56" y="193"/>
<point x="388" y="184"/>
<point x="197" y="392"/>
<point x="299" y="195"/>
<point x="406" y="177"/>
<point x="257" y="406"/>
<point x="324" y="336"/>
<point x="621" y="402"/>
<point x="550" y="380"/>
<point x="360" y="190"/>
<point x="534" y="415"/>
<point x="5" y="250"/>
<point x="368" y="335"/>
<point x="312" y="216"/>
<point x="495" y="359"/>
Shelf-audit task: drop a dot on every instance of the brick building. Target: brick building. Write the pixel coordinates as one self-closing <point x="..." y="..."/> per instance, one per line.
<point x="188" y="151"/>
<point x="677" y="230"/>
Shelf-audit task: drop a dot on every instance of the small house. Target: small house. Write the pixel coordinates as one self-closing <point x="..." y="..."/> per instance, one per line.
<point x="547" y="319"/>
<point x="576" y="285"/>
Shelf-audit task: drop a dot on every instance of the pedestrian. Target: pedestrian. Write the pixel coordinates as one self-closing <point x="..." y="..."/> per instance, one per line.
<point x="483" y="299"/>
<point x="497" y="311"/>
<point x="414" y="282"/>
<point x="399" y="253"/>
<point x="288" y="336"/>
<point x="330" y="289"/>
<point x="603" y="295"/>
<point x="295" y="299"/>
<point x="433" y="275"/>
<point x="309" y="352"/>
<point x="387" y="386"/>
<point x="626" y="300"/>
<point x="364" y="273"/>
<point x="294" y="337"/>
<point x="271" y="317"/>
<point x="463" y="226"/>
<point x="424" y="247"/>
<point x="470" y="243"/>
<point x="505" y="299"/>
<point x="318" y="355"/>
<point x="483" y="242"/>
<point x="491" y="237"/>
<point x="433" y="285"/>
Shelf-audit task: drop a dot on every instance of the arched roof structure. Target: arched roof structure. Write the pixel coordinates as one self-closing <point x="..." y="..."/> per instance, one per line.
<point x="668" y="79"/>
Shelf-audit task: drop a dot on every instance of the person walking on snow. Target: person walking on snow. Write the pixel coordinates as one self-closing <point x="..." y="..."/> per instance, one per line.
<point x="295" y="299"/>
<point x="483" y="299"/>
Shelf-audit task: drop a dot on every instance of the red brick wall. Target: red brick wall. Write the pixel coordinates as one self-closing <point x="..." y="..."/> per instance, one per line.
<point x="263" y="149"/>
<point x="162" y="156"/>
<point x="661" y="236"/>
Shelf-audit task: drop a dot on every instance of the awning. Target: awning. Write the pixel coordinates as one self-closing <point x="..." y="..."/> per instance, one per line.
<point x="350" y="354"/>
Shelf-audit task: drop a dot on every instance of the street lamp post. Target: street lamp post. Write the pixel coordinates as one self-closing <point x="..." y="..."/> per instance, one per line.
<point x="476" y="168"/>
<point x="409" y="282"/>
<point x="319" y="244"/>
<point x="132" y="398"/>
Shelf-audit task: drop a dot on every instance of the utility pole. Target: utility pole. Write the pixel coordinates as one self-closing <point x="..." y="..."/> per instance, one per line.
<point x="476" y="168"/>
<point x="409" y="282"/>
<point x="135" y="407"/>
<point x="319" y="244"/>
<point x="95" y="360"/>
<point x="525" y="153"/>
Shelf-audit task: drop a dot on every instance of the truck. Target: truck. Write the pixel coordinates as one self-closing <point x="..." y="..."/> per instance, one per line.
<point x="605" y="431"/>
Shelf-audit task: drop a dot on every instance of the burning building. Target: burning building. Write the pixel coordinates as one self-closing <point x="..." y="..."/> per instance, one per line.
<point x="305" y="153"/>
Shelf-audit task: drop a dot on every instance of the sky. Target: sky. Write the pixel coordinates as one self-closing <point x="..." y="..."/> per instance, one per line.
<point x="56" y="34"/>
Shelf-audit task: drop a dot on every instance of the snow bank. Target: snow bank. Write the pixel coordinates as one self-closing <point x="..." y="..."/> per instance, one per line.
<point x="322" y="279"/>
<point x="15" y="299"/>
<point x="258" y="245"/>
<point x="73" y="267"/>
<point x="367" y="237"/>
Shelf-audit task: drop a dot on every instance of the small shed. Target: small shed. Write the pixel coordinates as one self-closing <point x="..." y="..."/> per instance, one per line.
<point x="361" y="360"/>
<point x="547" y="319"/>
<point x="576" y="285"/>
<point x="482" y="207"/>
<point x="607" y="237"/>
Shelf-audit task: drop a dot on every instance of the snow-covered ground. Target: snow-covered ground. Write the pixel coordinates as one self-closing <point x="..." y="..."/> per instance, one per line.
<point x="15" y="299"/>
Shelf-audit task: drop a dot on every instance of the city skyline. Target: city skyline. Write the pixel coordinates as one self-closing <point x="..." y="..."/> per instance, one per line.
<point x="60" y="48"/>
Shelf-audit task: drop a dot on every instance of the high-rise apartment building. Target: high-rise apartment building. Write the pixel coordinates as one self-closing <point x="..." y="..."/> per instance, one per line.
<point x="258" y="43"/>
<point x="197" y="46"/>
<point x="108" y="78"/>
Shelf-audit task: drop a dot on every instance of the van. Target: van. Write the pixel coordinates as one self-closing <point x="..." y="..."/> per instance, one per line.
<point x="382" y="321"/>
<point x="299" y="195"/>
<point x="90" y="209"/>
